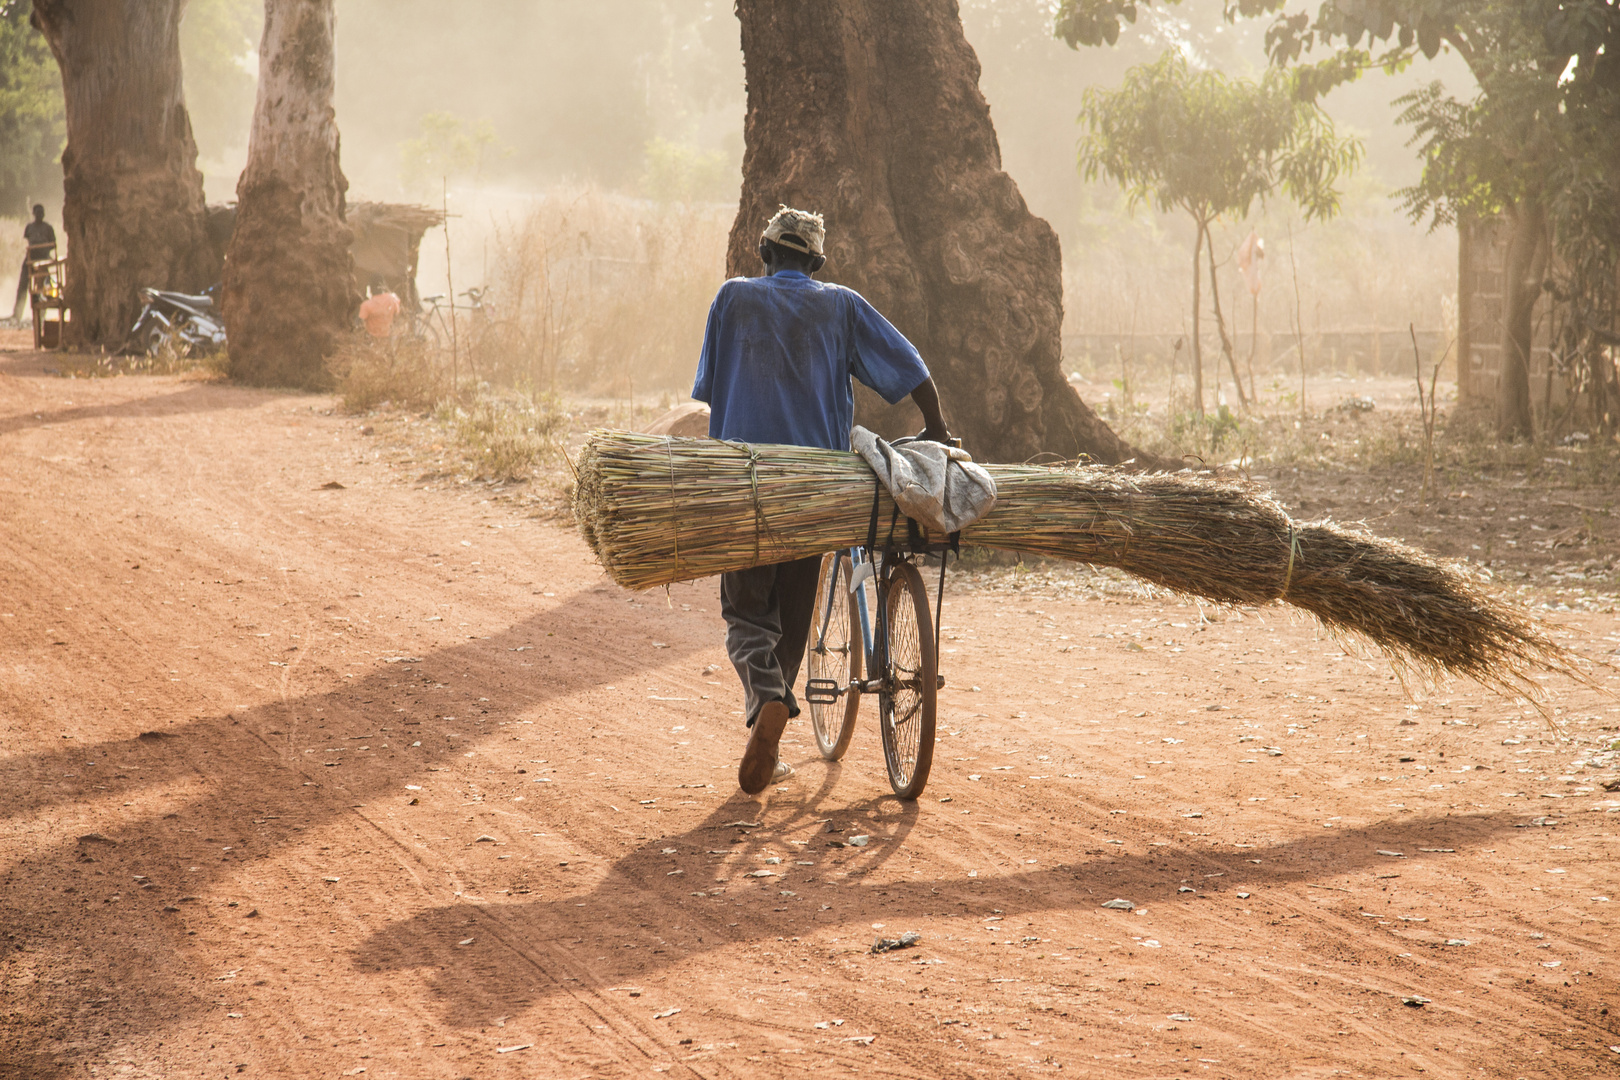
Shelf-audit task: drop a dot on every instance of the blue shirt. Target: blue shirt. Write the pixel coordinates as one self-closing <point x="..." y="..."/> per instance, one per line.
<point x="778" y="355"/>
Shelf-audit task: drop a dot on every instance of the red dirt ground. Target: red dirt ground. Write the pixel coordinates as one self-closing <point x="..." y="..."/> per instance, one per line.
<point x="388" y="780"/>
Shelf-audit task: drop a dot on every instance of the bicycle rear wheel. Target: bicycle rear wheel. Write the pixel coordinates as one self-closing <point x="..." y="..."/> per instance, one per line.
<point x="834" y="653"/>
<point x="909" y="669"/>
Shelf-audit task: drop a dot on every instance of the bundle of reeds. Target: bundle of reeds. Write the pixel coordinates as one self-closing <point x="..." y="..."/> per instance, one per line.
<point x="658" y="510"/>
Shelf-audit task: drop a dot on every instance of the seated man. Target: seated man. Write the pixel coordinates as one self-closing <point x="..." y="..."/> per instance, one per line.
<point x="778" y="356"/>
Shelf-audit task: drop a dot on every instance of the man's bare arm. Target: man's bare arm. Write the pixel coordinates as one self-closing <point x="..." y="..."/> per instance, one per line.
<point x="926" y="398"/>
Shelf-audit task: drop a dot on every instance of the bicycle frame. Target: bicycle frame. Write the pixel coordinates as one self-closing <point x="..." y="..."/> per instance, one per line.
<point x="880" y="575"/>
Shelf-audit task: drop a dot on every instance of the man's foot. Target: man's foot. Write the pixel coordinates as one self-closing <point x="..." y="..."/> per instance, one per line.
<point x="783" y="771"/>
<point x="759" y="757"/>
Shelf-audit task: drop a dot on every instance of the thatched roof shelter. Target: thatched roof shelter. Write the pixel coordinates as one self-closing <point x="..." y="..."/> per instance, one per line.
<point x="387" y="242"/>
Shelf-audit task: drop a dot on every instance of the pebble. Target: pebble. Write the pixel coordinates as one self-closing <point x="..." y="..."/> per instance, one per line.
<point x="1180" y="1018"/>
<point x="1119" y="905"/>
<point x="486" y="839"/>
<point x="859" y="841"/>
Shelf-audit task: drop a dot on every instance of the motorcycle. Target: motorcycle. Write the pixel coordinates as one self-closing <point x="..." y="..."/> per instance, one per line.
<point x="181" y="323"/>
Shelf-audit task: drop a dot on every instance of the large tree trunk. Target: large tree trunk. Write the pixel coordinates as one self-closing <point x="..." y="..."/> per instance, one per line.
<point x="132" y="203"/>
<point x="1523" y="267"/>
<point x="870" y="111"/>
<point x="288" y="282"/>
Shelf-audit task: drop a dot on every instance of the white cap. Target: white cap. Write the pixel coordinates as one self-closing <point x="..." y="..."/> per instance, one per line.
<point x="800" y="230"/>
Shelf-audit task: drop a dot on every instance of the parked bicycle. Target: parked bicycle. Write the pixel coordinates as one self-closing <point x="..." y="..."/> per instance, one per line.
<point x="487" y="342"/>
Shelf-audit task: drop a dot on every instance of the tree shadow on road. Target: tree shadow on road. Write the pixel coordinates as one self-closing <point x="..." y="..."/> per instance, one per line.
<point x="195" y="398"/>
<point x="238" y="789"/>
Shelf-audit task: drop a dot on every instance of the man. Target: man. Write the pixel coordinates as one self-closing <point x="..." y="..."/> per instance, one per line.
<point x="41" y="241"/>
<point x="778" y="356"/>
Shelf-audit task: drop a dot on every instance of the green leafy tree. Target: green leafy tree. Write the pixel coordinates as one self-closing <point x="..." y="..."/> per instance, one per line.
<point x="1535" y="146"/>
<point x="1211" y="145"/>
<point x="218" y="40"/>
<point x="33" y="126"/>
<point x="679" y="172"/>
<point x="447" y="148"/>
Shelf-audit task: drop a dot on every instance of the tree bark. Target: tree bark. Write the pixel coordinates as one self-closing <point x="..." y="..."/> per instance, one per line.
<point x="870" y="112"/>
<point x="1523" y="267"/>
<point x="132" y="203"/>
<point x="1220" y="326"/>
<point x="288" y="278"/>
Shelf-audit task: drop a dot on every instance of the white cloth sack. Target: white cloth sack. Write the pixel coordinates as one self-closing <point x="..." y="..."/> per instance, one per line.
<point x="935" y="485"/>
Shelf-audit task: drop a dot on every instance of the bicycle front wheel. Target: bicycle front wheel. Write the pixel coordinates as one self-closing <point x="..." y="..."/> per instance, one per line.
<point x="833" y="654"/>
<point x="909" y="669"/>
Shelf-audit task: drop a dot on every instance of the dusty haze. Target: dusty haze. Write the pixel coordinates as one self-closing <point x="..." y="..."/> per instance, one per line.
<point x="528" y="108"/>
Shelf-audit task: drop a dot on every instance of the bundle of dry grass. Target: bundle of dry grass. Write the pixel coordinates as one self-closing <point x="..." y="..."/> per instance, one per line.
<point x="657" y="510"/>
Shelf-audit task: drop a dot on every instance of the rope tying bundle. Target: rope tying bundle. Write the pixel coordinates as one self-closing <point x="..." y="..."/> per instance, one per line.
<point x="1293" y="553"/>
<point x="753" y="488"/>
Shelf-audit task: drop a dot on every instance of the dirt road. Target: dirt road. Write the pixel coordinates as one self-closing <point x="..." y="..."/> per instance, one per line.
<point x="385" y="779"/>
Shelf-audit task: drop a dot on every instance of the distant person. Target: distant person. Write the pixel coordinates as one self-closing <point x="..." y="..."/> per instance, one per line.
<point x="378" y="313"/>
<point x="41" y="241"/>
<point x="778" y="355"/>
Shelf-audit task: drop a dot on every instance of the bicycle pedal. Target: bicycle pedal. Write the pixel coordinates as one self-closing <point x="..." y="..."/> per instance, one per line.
<point x="822" y="691"/>
<point x="939" y="683"/>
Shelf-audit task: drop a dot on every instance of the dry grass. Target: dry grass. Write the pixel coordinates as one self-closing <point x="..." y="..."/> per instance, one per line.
<point x="403" y="372"/>
<point x="607" y="295"/>
<point x="657" y="510"/>
<point x="507" y="435"/>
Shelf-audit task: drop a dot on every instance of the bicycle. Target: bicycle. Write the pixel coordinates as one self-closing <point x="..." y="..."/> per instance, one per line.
<point x="903" y="647"/>
<point x="489" y="343"/>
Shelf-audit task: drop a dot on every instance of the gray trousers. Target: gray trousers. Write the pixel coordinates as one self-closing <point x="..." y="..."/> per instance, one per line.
<point x="767" y="611"/>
